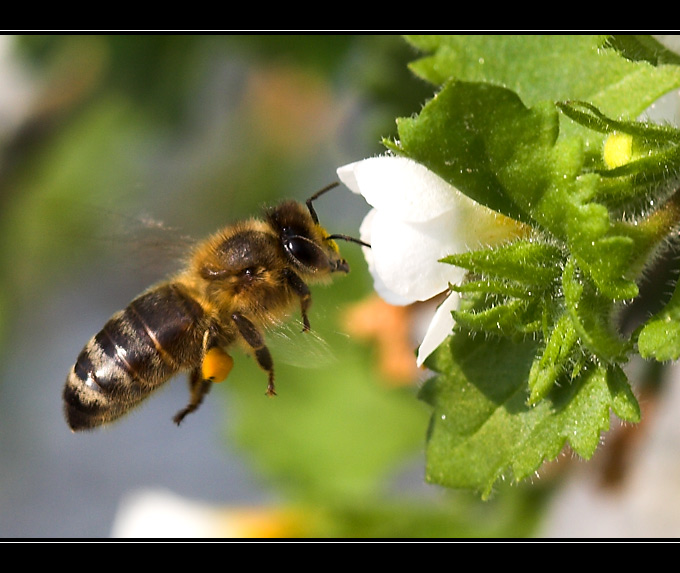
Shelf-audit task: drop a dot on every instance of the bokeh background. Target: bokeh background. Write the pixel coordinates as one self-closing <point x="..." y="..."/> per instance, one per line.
<point x="115" y="151"/>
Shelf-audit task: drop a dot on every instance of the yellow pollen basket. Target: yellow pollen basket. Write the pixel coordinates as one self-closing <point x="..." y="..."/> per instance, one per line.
<point x="217" y="365"/>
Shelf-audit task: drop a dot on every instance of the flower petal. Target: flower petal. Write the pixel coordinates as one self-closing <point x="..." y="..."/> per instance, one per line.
<point x="405" y="256"/>
<point x="379" y="286"/>
<point x="400" y="186"/>
<point x="440" y="327"/>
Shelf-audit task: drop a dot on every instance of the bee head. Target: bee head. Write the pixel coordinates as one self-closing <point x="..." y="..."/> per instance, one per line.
<point x="306" y="243"/>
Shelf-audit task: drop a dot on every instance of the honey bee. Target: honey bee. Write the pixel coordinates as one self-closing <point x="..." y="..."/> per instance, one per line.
<point x="236" y="283"/>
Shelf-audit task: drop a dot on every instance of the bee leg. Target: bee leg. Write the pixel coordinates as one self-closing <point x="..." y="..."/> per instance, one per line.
<point x="255" y="340"/>
<point x="198" y="388"/>
<point x="302" y="290"/>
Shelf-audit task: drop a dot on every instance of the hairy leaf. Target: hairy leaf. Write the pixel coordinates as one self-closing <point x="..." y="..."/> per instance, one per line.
<point x="519" y="125"/>
<point x="594" y="68"/>
<point x="482" y="428"/>
<point x="660" y="337"/>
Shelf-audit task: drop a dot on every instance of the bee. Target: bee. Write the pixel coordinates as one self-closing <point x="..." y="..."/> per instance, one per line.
<point x="236" y="283"/>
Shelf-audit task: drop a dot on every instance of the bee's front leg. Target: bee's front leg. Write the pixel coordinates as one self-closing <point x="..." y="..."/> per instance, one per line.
<point x="302" y="290"/>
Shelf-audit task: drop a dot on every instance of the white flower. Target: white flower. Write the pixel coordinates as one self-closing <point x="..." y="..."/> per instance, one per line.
<point x="163" y="514"/>
<point x="417" y="219"/>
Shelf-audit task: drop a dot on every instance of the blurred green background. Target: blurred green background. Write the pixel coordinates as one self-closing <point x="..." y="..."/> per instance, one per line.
<point x="104" y="135"/>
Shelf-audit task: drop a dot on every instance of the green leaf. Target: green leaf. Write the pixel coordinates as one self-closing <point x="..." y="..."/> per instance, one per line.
<point x="537" y="67"/>
<point x="589" y="116"/>
<point x="481" y="383"/>
<point x="483" y="140"/>
<point x="507" y="318"/>
<point x="590" y="314"/>
<point x="482" y="428"/>
<point x="518" y="125"/>
<point x="564" y="67"/>
<point x="526" y="261"/>
<point x="553" y="362"/>
<point x="660" y="337"/>
<point x="654" y="157"/>
<point x="643" y="47"/>
<point x="474" y="135"/>
<point x="624" y="403"/>
<point x="497" y="287"/>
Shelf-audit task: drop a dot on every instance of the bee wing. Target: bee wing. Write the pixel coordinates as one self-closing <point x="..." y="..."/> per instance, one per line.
<point x="290" y="345"/>
<point x="137" y="243"/>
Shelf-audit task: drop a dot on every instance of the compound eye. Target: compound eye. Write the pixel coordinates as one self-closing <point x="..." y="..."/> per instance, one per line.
<point x="306" y="252"/>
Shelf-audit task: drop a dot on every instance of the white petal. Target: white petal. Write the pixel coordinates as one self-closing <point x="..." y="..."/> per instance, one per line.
<point x="400" y="186"/>
<point x="405" y="256"/>
<point x="378" y="285"/>
<point x="389" y="296"/>
<point x="440" y="327"/>
<point x="366" y="231"/>
<point x="347" y="176"/>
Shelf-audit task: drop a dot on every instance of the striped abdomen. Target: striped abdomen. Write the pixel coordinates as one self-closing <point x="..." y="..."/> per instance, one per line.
<point x="139" y="348"/>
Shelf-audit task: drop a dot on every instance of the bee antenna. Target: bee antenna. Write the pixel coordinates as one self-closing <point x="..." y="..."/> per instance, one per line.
<point x="349" y="239"/>
<point x="315" y="218"/>
<point x="316" y="195"/>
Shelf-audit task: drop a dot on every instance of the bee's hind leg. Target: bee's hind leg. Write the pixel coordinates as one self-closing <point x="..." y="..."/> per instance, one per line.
<point x="215" y="366"/>
<point x="198" y="388"/>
